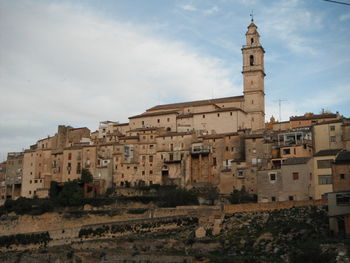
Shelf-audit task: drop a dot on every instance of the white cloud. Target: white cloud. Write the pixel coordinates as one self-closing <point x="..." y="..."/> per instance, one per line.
<point x="65" y="65"/>
<point x="189" y="7"/>
<point x="211" y="10"/>
<point x="288" y="21"/>
<point x="344" y="17"/>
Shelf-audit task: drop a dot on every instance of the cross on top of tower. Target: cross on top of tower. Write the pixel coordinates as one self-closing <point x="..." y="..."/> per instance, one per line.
<point x="252" y="17"/>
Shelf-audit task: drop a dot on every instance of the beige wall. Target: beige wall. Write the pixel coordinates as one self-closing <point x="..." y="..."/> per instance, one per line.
<point x="322" y="136"/>
<point x="219" y="122"/>
<point x="320" y="189"/>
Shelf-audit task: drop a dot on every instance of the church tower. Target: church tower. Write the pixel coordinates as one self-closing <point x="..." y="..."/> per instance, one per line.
<point x="253" y="79"/>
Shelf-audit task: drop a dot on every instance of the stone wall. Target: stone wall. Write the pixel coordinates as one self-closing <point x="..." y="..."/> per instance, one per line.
<point x="251" y="207"/>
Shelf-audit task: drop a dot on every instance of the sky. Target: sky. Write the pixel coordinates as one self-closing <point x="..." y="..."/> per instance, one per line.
<point x="81" y="62"/>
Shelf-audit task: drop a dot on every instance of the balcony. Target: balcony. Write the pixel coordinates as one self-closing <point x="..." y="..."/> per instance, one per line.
<point x="172" y="157"/>
<point x="200" y="149"/>
<point x="225" y="169"/>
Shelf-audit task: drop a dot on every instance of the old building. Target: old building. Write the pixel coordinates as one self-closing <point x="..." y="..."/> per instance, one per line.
<point x="322" y="172"/>
<point x="14" y="172"/>
<point x="341" y="172"/>
<point x="291" y="182"/>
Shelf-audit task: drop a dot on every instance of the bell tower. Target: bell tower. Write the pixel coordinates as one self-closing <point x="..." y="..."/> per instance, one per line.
<point x="253" y="79"/>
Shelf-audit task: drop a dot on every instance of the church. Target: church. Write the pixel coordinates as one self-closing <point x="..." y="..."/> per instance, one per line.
<point x="220" y="115"/>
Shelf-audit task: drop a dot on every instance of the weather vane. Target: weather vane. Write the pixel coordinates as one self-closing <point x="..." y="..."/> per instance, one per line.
<point x="252" y="16"/>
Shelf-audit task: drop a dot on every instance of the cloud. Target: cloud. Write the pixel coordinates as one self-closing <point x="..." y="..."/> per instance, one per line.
<point x="61" y="64"/>
<point x="288" y="20"/>
<point x="211" y="10"/>
<point x="188" y="7"/>
<point x="344" y="17"/>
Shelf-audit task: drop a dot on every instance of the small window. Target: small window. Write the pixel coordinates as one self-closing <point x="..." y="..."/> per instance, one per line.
<point x="273" y="198"/>
<point x="150" y="172"/>
<point x="203" y="116"/>
<point x="30" y="181"/>
<point x="342" y="176"/>
<point x="332" y="128"/>
<point x="230" y="113"/>
<point x="168" y="119"/>
<point x="218" y="114"/>
<point x="286" y="151"/>
<point x="290" y="198"/>
<point x="35" y="181"/>
<point x="332" y="139"/>
<point x="214" y="161"/>
<point x="322" y="164"/>
<point x="251" y="60"/>
<point x="252" y="41"/>
<point x="272" y="176"/>
<point x="295" y="176"/>
<point x="143" y="172"/>
<point x="226" y="148"/>
<point x="158" y="120"/>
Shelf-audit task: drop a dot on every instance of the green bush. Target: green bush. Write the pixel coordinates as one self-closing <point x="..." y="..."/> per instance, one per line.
<point x="176" y="197"/>
<point x="241" y="196"/>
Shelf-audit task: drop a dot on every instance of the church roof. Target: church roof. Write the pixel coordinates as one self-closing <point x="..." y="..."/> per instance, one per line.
<point x="196" y="103"/>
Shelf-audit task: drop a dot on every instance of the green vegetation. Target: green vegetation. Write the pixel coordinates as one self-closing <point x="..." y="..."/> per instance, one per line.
<point x="241" y="196"/>
<point x="86" y="176"/>
<point x="25" y="239"/>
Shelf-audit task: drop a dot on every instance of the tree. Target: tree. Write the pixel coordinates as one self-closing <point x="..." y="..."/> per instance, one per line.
<point x="241" y="196"/>
<point x="86" y="176"/>
<point x="71" y="194"/>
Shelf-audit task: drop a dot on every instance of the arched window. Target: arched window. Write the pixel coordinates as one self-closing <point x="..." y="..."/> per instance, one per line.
<point x="252" y="41"/>
<point x="251" y="60"/>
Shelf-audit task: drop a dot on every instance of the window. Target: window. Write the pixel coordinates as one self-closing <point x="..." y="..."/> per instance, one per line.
<point x="150" y="172"/>
<point x="30" y="181"/>
<point x="286" y="151"/>
<point x="150" y="158"/>
<point x="151" y="146"/>
<point x="168" y="119"/>
<point x="322" y="164"/>
<point x="240" y="173"/>
<point x="332" y="139"/>
<point x="332" y="128"/>
<point x="325" y="179"/>
<point x="295" y="176"/>
<point x="343" y="199"/>
<point x="272" y="176"/>
<point x="273" y="198"/>
<point x="230" y="113"/>
<point x="218" y="114"/>
<point x="226" y="148"/>
<point x="214" y="161"/>
<point x="251" y="60"/>
<point x="143" y="172"/>
<point x="35" y="181"/>
<point x="342" y="176"/>
<point x="158" y="120"/>
<point x="69" y="156"/>
<point x="143" y="122"/>
<point x="203" y="116"/>
<point x="290" y="198"/>
<point x="252" y="41"/>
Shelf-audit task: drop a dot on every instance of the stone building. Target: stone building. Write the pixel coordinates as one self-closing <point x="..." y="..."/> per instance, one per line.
<point x="13" y="177"/>
<point x="2" y="182"/>
<point x="341" y="172"/>
<point x="291" y="182"/>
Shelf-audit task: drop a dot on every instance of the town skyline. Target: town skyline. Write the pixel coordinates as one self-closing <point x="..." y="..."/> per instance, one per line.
<point x="54" y="75"/>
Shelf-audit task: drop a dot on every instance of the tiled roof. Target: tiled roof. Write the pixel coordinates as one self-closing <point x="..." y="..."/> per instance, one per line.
<point x="343" y="157"/>
<point x="327" y="152"/>
<point x="149" y="114"/>
<point x="196" y="103"/>
<point x="313" y="116"/>
<point x="296" y="160"/>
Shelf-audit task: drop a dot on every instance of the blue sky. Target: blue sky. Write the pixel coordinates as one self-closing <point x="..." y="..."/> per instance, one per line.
<point x="81" y="62"/>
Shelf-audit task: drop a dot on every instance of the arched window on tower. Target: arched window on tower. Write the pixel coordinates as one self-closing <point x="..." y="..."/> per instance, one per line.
<point x="252" y="41"/>
<point x="251" y="60"/>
